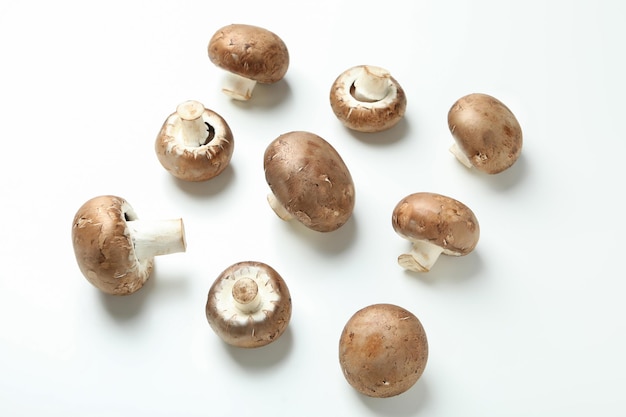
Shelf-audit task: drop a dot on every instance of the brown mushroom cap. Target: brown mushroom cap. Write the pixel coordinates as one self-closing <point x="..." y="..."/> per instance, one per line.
<point x="486" y="132"/>
<point x="437" y="219"/>
<point x="249" y="305"/>
<point x="194" y="143"/>
<point x="383" y="350"/>
<point x="367" y="115"/>
<point x="250" y="51"/>
<point x="310" y="180"/>
<point x="103" y="247"/>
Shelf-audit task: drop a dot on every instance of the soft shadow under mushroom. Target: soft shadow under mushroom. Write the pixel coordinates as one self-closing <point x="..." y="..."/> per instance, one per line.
<point x="206" y="189"/>
<point x="409" y="403"/>
<point x="452" y="269"/>
<point x="267" y="96"/>
<point x="330" y="243"/>
<point x="127" y="307"/>
<point x="262" y="357"/>
<point x="510" y="178"/>
<point x="385" y="138"/>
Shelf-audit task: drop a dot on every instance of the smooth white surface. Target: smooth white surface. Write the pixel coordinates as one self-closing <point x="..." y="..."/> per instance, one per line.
<point x="531" y="323"/>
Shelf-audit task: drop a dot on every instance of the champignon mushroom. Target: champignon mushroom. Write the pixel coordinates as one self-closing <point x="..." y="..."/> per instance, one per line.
<point x="249" y="305"/>
<point x="250" y="54"/>
<point x="383" y="350"/>
<point x="115" y="250"/>
<point x="366" y="98"/>
<point x="194" y="143"/>
<point x="309" y="181"/>
<point x="434" y="224"/>
<point x="487" y="135"/>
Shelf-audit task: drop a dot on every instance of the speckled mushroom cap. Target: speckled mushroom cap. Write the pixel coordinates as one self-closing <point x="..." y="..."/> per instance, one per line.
<point x="194" y="143"/>
<point x="250" y="51"/>
<point x="310" y="180"/>
<point x="486" y="132"/>
<point x="383" y="350"/>
<point x="103" y="247"/>
<point x="437" y="219"/>
<point x="249" y="305"/>
<point x="367" y="115"/>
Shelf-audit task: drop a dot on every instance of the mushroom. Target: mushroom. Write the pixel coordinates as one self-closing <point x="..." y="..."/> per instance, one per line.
<point x="434" y="224"/>
<point x="250" y="54"/>
<point x="249" y="305"/>
<point x="366" y="98"/>
<point x="487" y="135"/>
<point x="383" y="350"/>
<point x="309" y="181"/>
<point x="115" y="250"/>
<point x="194" y="143"/>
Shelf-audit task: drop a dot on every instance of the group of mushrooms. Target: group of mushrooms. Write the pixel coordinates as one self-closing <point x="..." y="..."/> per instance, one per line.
<point x="383" y="348"/>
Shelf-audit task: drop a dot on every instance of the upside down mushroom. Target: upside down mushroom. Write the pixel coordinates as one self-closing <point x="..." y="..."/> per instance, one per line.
<point x="115" y="250"/>
<point x="194" y="143"/>
<point x="367" y="98"/>
<point x="249" y="305"/>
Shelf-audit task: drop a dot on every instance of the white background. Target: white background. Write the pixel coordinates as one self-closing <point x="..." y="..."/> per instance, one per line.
<point x="530" y="324"/>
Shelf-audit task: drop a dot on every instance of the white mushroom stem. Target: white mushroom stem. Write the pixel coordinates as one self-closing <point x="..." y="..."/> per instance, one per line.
<point x="238" y="87"/>
<point x="421" y="258"/>
<point x="246" y="297"/>
<point x="278" y="208"/>
<point x="458" y="153"/>
<point x="157" y="237"/>
<point x="372" y="84"/>
<point x="194" y="131"/>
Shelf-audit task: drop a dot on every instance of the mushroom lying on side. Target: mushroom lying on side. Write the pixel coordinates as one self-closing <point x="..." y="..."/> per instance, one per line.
<point x="194" y="143"/>
<point x="249" y="305"/>
<point x="383" y="350"/>
<point x="367" y="99"/>
<point x="309" y="181"/>
<point x="115" y="250"/>
<point x="434" y="224"/>
<point x="487" y="135"/>
<point x="250" y="54"/>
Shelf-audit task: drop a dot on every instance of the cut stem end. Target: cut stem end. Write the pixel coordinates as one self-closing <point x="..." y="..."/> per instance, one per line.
<point x="460" y="156"/>
<point x="194" y="131"/>
<point x="246" y="295"/>
<point x="421" y="258"/>
<point x="238" y="87"/>
<point x="372" y="84"/>
<point x="278" y="208"/>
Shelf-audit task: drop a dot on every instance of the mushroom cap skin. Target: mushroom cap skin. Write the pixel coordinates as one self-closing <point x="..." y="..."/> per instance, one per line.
<point x="310" y="180"/>
<point x="250" y="51"/>
<point x="486" y="132"/>
<point x="103" y="247"/>
<point x="366" y="116"/>
<point x="201" y="161"/>
<point x="383" y="350"/>
<point x="256" y="327"/>
<point x="439" y="220"/>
